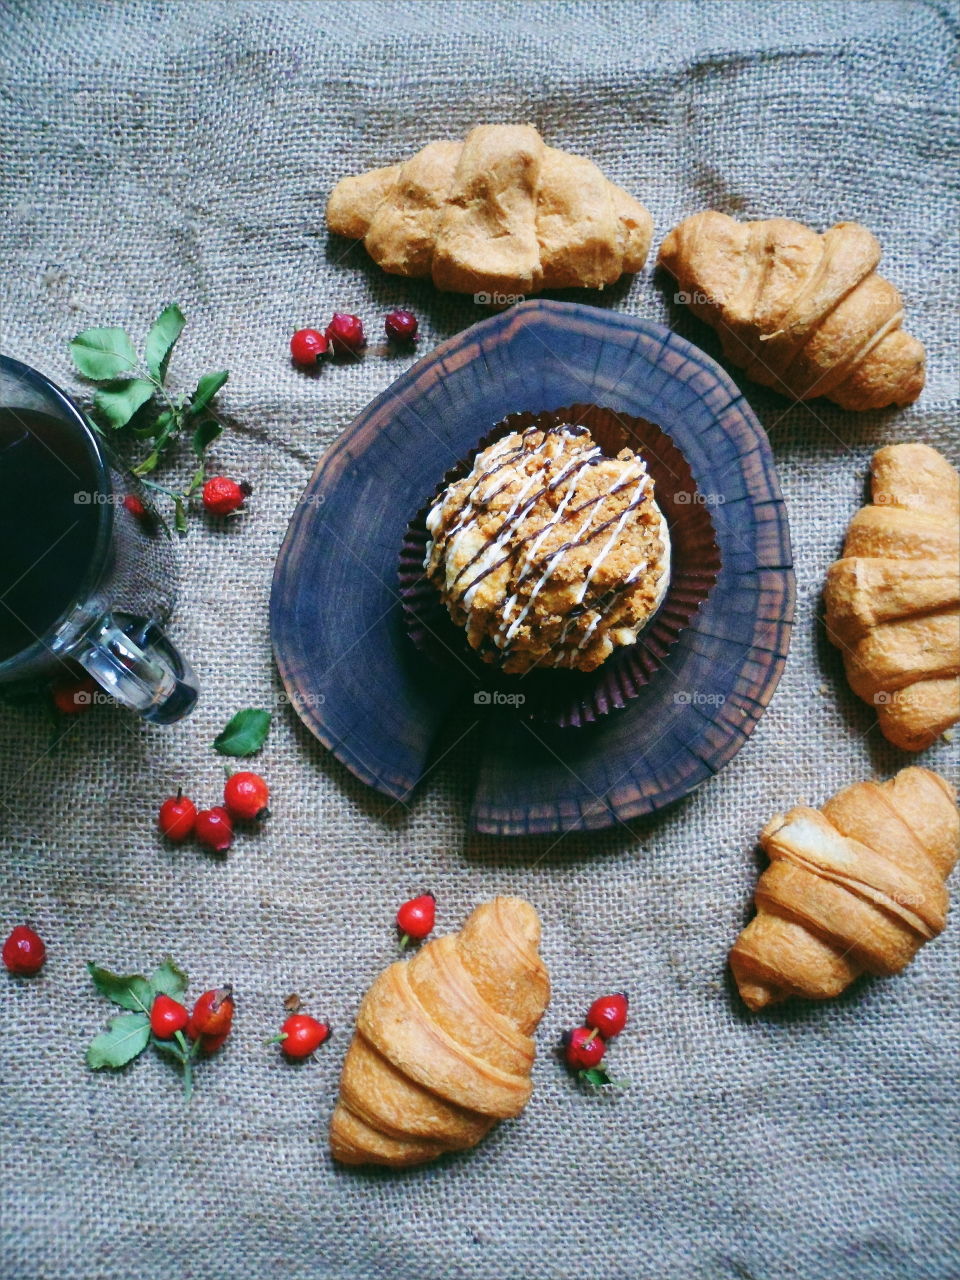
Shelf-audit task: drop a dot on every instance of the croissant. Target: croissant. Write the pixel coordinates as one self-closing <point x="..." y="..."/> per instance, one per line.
<point x="443" y="1047"/>
<point x="893" y="600"/>
<point x="854" y="887"/>
<point x="803" y="313"/>
<point x="501" y="214"/>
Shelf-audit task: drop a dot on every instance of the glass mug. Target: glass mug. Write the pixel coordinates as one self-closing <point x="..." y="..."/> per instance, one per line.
<point x="82" y="579"/>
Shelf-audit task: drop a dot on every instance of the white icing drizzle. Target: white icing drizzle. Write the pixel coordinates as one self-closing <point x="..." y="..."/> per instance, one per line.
<point x="507" y="528"/>
<point x="544" y="578"/>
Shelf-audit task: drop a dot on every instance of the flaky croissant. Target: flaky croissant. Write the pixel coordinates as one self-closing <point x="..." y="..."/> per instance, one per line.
<point x="443" y="1046"/>
<point x="893" y="599"/>
<point x="857" y="886"/>
<point x="803" y="313"/>
<point x="501" y="214"/>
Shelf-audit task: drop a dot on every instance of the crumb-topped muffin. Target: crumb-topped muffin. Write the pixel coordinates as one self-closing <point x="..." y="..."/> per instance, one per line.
<point x="549" y="553"/>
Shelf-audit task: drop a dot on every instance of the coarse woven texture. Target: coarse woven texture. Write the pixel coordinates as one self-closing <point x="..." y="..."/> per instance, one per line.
<point x="157" y="152"/>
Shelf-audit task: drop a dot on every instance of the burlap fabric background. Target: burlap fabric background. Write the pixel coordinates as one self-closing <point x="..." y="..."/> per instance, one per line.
<point x="156" y="152"/>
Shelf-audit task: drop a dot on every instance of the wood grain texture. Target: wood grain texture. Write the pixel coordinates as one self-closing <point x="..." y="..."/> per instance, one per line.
<point x="338" y="635"/>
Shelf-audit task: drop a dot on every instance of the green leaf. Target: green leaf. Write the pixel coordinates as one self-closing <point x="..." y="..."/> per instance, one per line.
<point x="165" y="436"/>
<point x="179" y="516"/>
<point x="147" y="465"/>
<point x="160" y="428"/>
<point x="119" y="401"/>
<point x="103" y="353"/>
<point x="197" y="480"/>
<point x="205" y="435"/>
<point x="164" y="431"/>
<point x="130" y="992"/>
<point x="169" y="980"/>
<point x="597" y="1076"/>
<point x="245" y="733"/>
<point x="157" y="427"/>
<point x="207" y="388"/>
<point x="164" y="332"/>
<point x="168" y="1046"/>
<point x="128" y="1035"/>
<point x="164" y="423"/>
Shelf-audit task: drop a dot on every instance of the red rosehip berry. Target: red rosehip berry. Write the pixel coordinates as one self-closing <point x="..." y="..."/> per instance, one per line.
<point x="345" y="334"/>
<point x="246" y="795"/>
<point x="24" y="952"/>
<point x="71" y="697"/>
<point x="210" y="1044"/>
<point x="307" y="346"/>
<point x="135" y="506"/>
<point x="583" y="1048"/>
<point x="214" y="829"/>
<point x="177" y="817"/>
<point x="222" y="496"/>
<point x="608" y="1015"/>
<point x="415" y="919"/>
<point x="301" y="1035"/>
<point x="167" y="1017"/>
<point x="212" y="1017"/>
<point x="401" y="326"/>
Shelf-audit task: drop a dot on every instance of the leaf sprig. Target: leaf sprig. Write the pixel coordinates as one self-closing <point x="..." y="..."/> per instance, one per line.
<point x="128" y="1034"/>
<point x="133" y="397"/>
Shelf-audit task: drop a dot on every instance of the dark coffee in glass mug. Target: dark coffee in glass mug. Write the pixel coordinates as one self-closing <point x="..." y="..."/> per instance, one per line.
<point x="82" y="579"/>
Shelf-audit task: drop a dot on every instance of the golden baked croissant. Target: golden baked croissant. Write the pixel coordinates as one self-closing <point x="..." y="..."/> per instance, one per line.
<point x="443" y="1046"/>
<point x="893" y="600"/>
<point x="803" y="313"/>
<point x="857" y="886"/>
<point x="500" y="213"/>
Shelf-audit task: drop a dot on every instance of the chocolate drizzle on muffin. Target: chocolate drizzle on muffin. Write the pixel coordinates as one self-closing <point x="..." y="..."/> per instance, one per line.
<point x="549" y="553"/>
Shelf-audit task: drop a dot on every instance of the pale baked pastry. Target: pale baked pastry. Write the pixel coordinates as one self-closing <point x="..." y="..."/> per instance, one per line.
<point x="549" y="553"/>
<point x="500" y="214"/>
<point x="857" y="886"/>
<point x="893" y="600"/>
<point x="443" y="1046"/>
<point x="803" y="313"/>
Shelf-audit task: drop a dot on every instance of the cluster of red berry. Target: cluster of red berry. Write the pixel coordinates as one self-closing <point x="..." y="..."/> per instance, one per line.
<point x="156" y="1016"/>
<point x="221" y="496"/>
<point x="584" y="1047"/>
<point x="208" y="1025"/>
<point x="184" y="1034"/>
<point x="344" y="336"/>
<point x="301" y="1034"/>
<point x="245" y="797"/>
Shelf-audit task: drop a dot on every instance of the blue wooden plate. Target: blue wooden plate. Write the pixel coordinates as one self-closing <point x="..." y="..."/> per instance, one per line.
<point x="338" y="632"/>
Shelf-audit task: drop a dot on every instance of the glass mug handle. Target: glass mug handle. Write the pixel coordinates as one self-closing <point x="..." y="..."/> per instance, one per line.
<point x="138" y="666"/>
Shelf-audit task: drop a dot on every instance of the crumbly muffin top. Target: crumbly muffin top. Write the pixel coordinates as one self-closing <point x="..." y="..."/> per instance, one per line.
<point x="549" y="553"/>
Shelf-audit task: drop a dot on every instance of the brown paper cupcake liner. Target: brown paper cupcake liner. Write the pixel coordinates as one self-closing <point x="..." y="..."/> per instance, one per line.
<point x="565" y="698"/>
